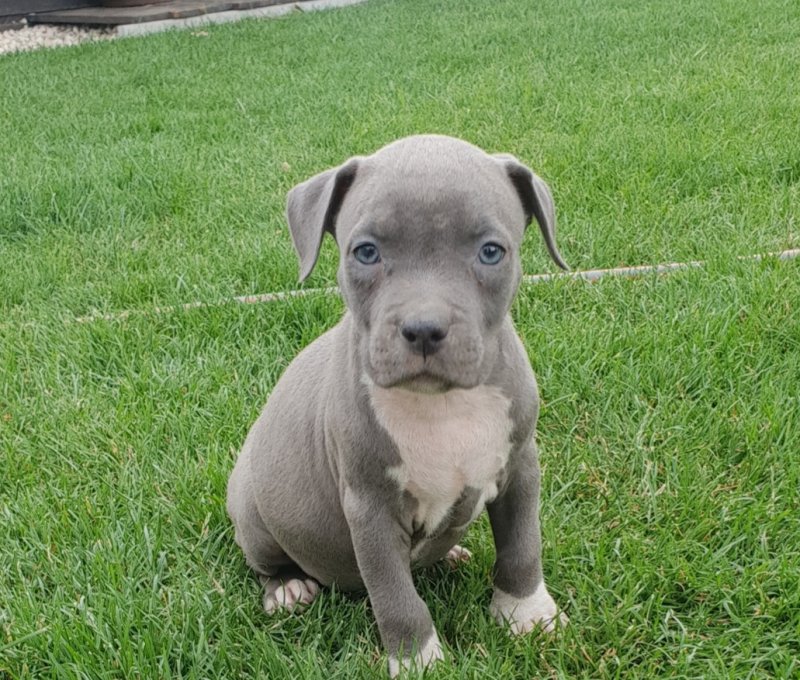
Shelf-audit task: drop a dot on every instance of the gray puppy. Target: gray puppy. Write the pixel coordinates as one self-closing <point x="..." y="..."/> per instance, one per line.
<point x="391" y="432"/>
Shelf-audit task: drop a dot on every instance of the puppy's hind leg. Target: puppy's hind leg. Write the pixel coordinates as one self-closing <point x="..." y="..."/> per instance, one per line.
<point x="285" y="584"/>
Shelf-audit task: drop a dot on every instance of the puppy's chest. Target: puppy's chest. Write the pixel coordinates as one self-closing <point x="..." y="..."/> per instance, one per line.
<point x="451" y="444"/>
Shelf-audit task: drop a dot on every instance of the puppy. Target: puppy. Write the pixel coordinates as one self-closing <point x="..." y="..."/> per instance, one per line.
<point x="391" y="432"/>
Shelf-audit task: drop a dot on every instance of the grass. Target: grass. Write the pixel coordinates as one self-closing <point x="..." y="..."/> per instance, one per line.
<point x="153" y="171"/>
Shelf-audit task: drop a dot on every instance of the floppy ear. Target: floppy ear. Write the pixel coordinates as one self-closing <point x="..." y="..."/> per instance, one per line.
<point x="537" y="201"/>
<point x="311" y="210"/>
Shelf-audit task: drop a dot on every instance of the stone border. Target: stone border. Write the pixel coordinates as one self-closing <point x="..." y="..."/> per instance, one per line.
<point x="127" y="30"/>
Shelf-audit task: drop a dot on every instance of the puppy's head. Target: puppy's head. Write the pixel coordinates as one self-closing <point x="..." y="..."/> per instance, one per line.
<point x="429" y="230"/>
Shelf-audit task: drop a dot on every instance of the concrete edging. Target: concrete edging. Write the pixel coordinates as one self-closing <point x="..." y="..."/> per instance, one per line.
<point x="128" y="30"/>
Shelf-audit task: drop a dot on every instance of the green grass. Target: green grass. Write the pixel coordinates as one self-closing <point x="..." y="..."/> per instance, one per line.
<point x="153" y="171"/>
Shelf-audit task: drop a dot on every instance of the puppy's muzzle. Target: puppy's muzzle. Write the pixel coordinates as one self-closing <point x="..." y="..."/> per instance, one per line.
<point x="424" y="336"/>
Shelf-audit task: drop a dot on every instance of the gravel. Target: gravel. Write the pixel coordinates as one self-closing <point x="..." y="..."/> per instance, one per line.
<point x="39" y="36"/>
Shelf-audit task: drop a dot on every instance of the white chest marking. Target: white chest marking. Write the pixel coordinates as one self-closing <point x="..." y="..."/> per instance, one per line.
<point x="447" y="442"/>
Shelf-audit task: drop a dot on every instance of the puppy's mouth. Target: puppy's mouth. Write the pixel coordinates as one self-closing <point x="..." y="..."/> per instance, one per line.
<point x="425" y="383"/>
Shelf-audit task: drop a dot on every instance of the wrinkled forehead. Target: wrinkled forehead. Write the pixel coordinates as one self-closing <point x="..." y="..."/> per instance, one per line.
<point x="431" y="198"/>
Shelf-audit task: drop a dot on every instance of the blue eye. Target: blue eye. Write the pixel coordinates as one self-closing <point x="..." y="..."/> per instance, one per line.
<point x="367" y="253"/>
<point x="491" y="253"/>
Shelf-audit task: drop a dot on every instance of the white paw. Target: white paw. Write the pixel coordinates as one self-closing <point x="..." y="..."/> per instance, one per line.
<point x="457" y="555"/>
<point x="430" y="653"/>
<point x="289" y="594"/>
<point x="526" y="613"/>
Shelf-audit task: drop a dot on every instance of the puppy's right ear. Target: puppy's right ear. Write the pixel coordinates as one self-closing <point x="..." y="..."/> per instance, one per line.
<point x="311" y="210"/>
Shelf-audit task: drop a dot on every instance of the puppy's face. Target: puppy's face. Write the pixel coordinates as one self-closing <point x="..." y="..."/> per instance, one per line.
<point x="429" y="267"/>
<point x="429" y="230"/>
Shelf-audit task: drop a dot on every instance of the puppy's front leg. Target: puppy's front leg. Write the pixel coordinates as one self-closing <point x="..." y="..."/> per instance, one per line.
<point x="520" y="596"/>
<point x="383" y="553"/>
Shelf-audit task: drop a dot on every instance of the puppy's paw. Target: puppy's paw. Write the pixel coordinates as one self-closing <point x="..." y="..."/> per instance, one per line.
<point x="526" y="613"/>
<point x="430" y="653"/>
<point x="289" y="594"/>
<point x="457" y="556"/>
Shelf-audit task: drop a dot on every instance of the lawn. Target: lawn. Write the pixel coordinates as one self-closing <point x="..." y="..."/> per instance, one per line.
<point x="149" y="172"/>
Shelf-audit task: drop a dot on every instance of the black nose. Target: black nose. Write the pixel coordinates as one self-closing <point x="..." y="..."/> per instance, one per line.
<point x="424" y="337"/>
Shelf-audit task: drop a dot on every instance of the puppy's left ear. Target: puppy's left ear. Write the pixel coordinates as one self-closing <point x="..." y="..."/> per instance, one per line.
<point x="537" y="201"/>
<point x="312" y="208"/>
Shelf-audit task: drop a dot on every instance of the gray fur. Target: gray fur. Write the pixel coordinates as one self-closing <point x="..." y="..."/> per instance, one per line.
<point x="310" y="490"/>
